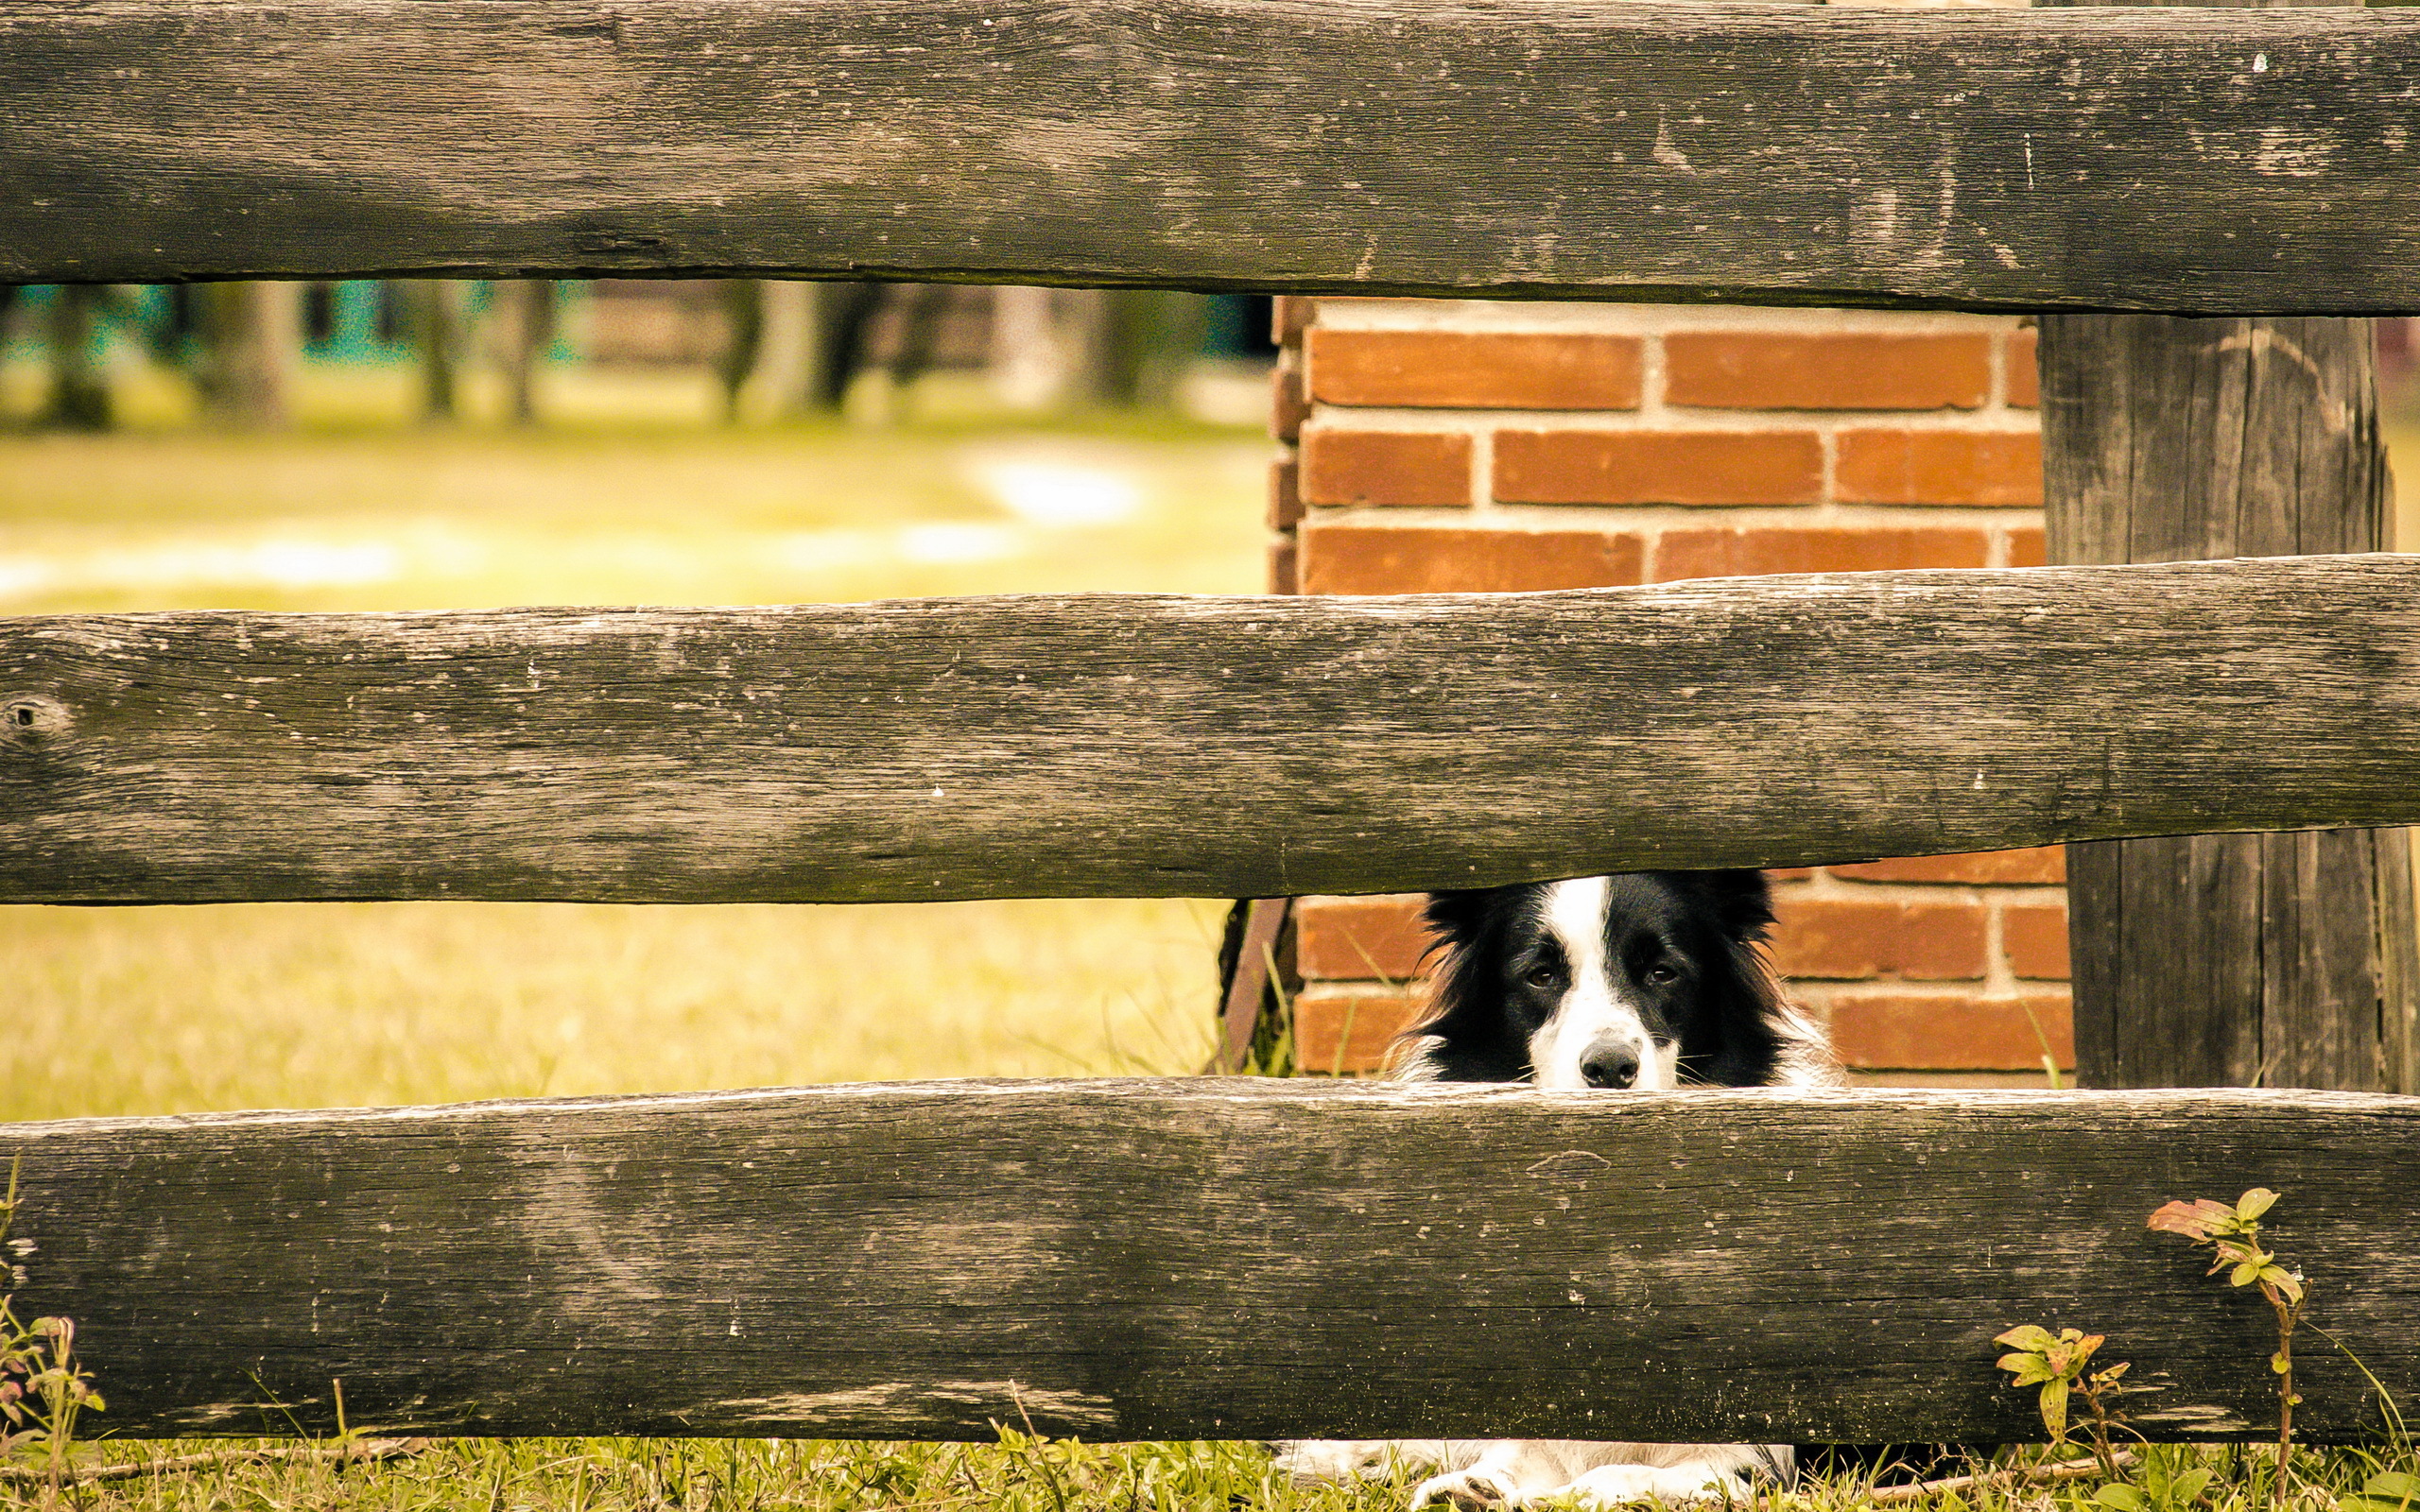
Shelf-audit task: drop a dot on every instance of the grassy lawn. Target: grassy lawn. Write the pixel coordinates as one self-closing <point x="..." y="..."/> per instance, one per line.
<point x="181" y="1009"/>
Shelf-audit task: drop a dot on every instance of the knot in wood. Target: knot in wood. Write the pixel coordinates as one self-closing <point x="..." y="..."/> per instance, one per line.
<point x="30" y="719"/>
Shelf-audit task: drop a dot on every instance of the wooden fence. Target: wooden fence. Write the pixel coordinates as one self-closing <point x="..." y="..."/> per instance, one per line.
<point x="2242" y="162"/>
<point x="1211" y="1258"/>
<point x="1217" y="1258"/>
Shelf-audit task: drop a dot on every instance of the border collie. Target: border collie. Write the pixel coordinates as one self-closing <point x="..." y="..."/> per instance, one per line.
<point x="1645" y="982"/>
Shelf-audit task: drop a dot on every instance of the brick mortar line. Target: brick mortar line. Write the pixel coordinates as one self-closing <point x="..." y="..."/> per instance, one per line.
<point x="1986" y="987"/>
<point x="1823" y="886"/>
<point x="1818" y="992"/>
<point x="1663" y="517"/>
<point x="1495" y="317"/>
<point x="1999" y="974"/>
<point x="1403" y="419"/>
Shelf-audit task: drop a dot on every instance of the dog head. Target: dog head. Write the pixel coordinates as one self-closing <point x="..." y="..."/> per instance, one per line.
<point x="1643" y="981"/>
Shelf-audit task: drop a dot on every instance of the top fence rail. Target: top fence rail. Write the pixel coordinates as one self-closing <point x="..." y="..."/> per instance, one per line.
<point x="2239" y="162"/>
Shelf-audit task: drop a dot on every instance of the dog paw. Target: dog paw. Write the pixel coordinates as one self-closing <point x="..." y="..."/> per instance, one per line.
<point x="1465" y="1491"/>
<point x="1613" y="1486"/>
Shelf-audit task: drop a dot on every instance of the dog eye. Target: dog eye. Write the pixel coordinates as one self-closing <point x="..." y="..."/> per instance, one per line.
<point x="1544" y="976"/>
<point x="1661" y="977"/>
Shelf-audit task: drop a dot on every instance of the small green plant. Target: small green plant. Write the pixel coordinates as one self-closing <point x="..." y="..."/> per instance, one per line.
<point x="2386" y="1491"/>
<point x="2233" y="1235"/>
<point x="2165" y="1486"/>
<point x="42" y="1387"/>
<point x="2056" y="1362"/>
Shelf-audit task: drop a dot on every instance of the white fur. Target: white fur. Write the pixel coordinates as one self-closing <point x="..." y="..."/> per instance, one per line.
<point x="1515" y="1472"/>
<point x="1593" y="1010"/>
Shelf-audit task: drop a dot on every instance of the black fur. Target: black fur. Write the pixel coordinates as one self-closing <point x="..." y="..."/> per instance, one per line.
<point x="1699" y="929"/>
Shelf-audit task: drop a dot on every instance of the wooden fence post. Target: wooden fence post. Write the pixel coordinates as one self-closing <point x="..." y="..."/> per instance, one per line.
<point x="2284" y="959"/>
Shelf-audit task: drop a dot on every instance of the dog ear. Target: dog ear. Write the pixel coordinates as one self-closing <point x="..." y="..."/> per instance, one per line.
<point x="1455" y="918"/>
<point x="1743" y="901"/>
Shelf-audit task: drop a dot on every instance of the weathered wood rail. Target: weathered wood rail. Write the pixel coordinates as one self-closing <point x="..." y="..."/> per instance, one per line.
<point x="1205" y="747"/>
<point x="2240" y="162"/>
<point x="1214" y="1259"/>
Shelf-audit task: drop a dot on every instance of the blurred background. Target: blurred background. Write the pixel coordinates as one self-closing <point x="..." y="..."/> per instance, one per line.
<point x="393" y="445"/>
<point x="385" y="445"/>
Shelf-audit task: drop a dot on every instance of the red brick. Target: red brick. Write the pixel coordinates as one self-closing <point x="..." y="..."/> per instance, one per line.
<point x="1658" y="467"/>
<point x="2035" y="938"/>
<point x="2027" y="548"/>
<point x="1860" y="938"/>
<point x="1751" y="370"/>
<point x="2024" y="371"/>
<point x="1994" y="469"/>
<point x="1288" y="407"/>
<point x="2042" y="864"/>
<point x="1285" y="566"/>
<point x="1431" y="560"/>
<point x="1749" y="551"/>
<point x="1360" y="938"/>
<point x="1290" y="316"/>
<point x="1285" y="493"/>
<point x="1950" y="1031"/>
<point x="1349" y="1031"/>
<point x="1386" y="467"/>
<point x="1473" y="369"/>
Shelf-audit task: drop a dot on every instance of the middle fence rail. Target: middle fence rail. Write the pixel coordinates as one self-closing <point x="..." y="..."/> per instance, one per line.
<point x="1197" y="746"/>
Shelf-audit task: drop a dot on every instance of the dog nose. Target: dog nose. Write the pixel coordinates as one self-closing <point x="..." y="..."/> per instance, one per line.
<point x="1611" y="1065"/>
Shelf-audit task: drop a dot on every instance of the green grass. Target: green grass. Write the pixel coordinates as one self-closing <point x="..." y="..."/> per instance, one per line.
<point x="175" y="1011"/>
<point x="1021" y="1474"/>
<point x="299" y="1005"/>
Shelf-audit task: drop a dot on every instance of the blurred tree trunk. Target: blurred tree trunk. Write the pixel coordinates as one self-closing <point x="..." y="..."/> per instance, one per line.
<point x="434" y="318"/>
<point x="743" y="305"/>
<point x="523" y="312"/>
<point x="844" y="321"/>
<point x="1084" y="327"/>
<point x="922" y="307"/>
<point x="1032" y="365"/>
<point x="1148" y="338"/>
<point x="252" y="336"/>
<point x="79" y="388"/>
<point x="786" y="382"/>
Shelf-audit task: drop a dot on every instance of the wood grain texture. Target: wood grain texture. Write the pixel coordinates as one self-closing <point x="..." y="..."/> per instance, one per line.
<point x="1196" y="746"/>
<point x="1217" y="1258"/>
<point x="1114" y="745"/>
<point x="2167" y="439"/>
<point x="2250" y="160"/>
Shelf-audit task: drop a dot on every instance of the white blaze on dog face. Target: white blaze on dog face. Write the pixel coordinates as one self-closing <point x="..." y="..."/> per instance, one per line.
<point x="1595" y="1010"/>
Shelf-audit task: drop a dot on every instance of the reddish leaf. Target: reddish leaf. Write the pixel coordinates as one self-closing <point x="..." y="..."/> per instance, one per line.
<point x="2199" y="1219"/>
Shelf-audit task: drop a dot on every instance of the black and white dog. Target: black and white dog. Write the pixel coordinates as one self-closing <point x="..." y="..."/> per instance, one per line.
<point x="1650" y="981"/>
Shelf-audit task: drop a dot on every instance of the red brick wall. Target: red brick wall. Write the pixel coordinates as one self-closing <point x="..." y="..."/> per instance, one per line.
<point x="1451" y="446"/>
